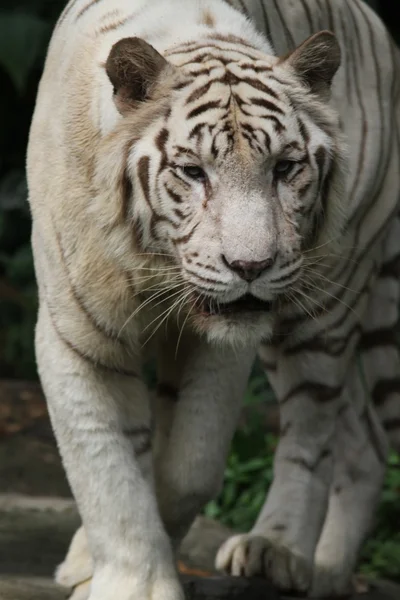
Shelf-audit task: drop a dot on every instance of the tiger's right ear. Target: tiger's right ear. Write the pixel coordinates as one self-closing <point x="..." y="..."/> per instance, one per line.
<point x="133" y="67"/>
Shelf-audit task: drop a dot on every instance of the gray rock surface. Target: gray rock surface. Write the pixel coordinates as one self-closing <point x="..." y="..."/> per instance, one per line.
<point x="35" y="533"/>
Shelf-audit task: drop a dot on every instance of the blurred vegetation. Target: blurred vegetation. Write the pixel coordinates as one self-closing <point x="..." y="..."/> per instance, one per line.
<point x="25" y="29"/>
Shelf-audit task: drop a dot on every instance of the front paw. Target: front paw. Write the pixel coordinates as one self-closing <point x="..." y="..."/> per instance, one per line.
<point x="149" y="585"/>
<point x="250" y="555"/>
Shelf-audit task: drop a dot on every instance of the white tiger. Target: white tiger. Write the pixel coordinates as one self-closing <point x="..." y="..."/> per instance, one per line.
<point x="198" y="186"/>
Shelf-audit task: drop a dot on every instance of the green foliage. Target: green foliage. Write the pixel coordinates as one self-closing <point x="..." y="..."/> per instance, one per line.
<point x="248" y="476"/>
<point x="381" y="554"/>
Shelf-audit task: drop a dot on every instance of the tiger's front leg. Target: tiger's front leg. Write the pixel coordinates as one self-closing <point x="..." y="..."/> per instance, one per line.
<point x="191" y="457"/>
<point x="283" y="541"/>
<point x="102" y="424"/>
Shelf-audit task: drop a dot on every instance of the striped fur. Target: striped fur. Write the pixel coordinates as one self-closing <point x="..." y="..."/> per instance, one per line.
<point x="197" y="186"/>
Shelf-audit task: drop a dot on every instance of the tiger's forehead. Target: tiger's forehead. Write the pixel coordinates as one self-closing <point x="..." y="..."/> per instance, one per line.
<point x="227" y="48"/>
<point x="226" y="60"/>
<point x="227" y="101"/>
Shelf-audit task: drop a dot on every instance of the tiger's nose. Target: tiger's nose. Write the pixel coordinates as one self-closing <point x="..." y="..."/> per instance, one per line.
<point x="249" y="270"/>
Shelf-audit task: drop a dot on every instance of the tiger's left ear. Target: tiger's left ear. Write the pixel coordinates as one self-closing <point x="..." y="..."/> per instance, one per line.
<point x="133" y="67"/>
<point x="316" y="61"/>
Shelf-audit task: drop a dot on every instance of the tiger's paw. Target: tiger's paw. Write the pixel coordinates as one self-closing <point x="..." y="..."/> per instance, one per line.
<point x="112" y="582"/>
<point x="154" y="583"/>
<point x="249" y="555"/>
<point x="77" y="569"/>
<point x="81" y="591"/>
<point x="331" y="582"/>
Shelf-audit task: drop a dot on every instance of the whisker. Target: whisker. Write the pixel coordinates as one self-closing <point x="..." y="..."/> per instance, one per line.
<point x="312" y="285"/>
<point x="168" y="312"/>
<point x="311" y="299"/>
<point x="143" y="305"/>
<point x="333" y="255"/>
<point x="293" y="298"/>
<point x="183" y="326"/>
<point x="321" y="276"/>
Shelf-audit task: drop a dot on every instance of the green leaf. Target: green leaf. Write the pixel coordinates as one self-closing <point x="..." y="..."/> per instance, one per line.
<point x="23" y="38"/>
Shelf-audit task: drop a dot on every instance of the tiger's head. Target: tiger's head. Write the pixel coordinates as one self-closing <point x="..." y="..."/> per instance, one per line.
<point x="229" y="171"/>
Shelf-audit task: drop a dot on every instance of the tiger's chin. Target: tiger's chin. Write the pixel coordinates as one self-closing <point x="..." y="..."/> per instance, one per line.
<point x="243" y="322"/>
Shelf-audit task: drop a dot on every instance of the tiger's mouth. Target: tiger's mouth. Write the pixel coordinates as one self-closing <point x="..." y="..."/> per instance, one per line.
<point x="245" y="304"/>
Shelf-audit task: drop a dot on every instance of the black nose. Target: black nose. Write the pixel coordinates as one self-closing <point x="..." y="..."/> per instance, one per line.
<point x="247" y="269"/>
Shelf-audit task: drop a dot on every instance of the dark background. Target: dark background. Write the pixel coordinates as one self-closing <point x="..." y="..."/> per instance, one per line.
<point x="25" y="29"/>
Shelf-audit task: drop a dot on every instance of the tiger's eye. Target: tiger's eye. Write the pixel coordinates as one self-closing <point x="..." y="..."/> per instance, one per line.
<point x="283" y="167"/>
<point x="195" y="172"/>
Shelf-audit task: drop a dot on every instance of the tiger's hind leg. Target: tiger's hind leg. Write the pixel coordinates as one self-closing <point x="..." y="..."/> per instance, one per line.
<point x="359" y="467"/>
<point x="374" y="383"/>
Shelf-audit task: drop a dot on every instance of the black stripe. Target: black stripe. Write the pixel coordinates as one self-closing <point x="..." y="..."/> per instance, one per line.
<point x="350" y="266"/>
<point x="349" y="62"/>
<point x="391" y="268"/>
<point x="356" y="30"/>
<point x="66" y="12"/>
<point x="278" y="126"/>
<point x="265" y="21"/>
<point x="259" y="85"/>
<point x="391" y="424"/>
<point x="308" y="465"/>
<point x="86" y="8"/>
<point x="364" y="125"/>
<point x="175" y="197"/>
<point x="267" y="104"/>
<point x="143" y="170"/>
<point x="137" y="431"/>
<point x="197" y="130"/>
<point x="94" y="362"/>
<point x="303" y="131"/>
<point x="79" y="301"/>
<point x="201" y="278"/>
<point x="379" y="88"/>
<point x="289" y="38"/>
<point x="384" y="388"/>
<point x="185" y="238"/>
<point x="316" y="344"/>
<point x="167" y="390"/>
<point x="112" y="26"/>
<point x="161" y="141"/>
<point x="308" y="16"/>
<point x="329" y="11"/>
<point x="278" y="527"/>
<point x="200" y="92"/>
<point x="318" y="392"/>
<point x="379" y="337"/>
<point x="243" y="8"/>
<point x="203" y="108"/>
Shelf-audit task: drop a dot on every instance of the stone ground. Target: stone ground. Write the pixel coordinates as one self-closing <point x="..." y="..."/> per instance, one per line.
<point x="38" y="517"/>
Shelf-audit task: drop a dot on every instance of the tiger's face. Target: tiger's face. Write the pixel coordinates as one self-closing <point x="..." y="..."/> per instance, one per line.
<point x="232" y="180"/>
